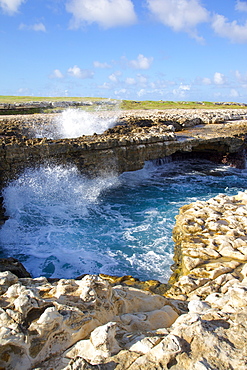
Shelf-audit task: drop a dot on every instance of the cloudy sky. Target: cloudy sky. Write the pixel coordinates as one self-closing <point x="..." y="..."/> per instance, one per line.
<point x="125" y="49"/>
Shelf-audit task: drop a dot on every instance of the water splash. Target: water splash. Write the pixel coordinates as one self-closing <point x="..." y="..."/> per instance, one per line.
<point x="62" y="224"/>
<point x="73" y="123"/>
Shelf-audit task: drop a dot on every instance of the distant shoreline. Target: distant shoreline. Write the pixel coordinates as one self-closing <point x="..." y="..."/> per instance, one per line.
<point x="28" y="104"/>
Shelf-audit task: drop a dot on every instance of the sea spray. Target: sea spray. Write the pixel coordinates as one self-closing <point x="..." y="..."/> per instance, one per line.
<point x="62" y="224"/>
<point x="72" y="123"/>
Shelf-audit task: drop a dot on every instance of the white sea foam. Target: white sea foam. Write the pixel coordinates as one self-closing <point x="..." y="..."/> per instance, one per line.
<point x="73" y="123"/>
<point x="62" y="224"/>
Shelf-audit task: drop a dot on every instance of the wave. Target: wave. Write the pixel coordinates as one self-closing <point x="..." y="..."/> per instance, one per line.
<point x="62" y="224"/>
<point x="73" y="123"/>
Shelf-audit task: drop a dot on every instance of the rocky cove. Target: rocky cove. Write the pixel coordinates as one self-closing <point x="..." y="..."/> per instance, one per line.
<point x="198" y="320"/>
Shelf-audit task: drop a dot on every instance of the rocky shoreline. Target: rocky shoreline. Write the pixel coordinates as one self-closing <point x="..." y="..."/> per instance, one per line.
<point x="136" y="137"/>
<point x="198" y="321"/>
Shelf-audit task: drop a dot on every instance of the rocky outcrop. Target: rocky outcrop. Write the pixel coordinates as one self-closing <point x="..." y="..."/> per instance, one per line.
<point x="13" y="265"/>
<point x="67" y="319"/>
<point x="200" y="323"/>
<point x="197" y="322"/>
<point x="136" y="138"/>
<point x="210" y="246"/>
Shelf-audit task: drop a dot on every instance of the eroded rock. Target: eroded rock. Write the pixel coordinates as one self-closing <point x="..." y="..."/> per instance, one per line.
<point x="40" y="320"/>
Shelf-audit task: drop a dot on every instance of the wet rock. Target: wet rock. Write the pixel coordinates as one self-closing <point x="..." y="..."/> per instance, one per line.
<point x="137" y="136"/>
<point x="13" y="265"/>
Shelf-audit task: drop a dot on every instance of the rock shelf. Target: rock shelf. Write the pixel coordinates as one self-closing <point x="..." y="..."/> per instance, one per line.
<point x="137" y="137"/>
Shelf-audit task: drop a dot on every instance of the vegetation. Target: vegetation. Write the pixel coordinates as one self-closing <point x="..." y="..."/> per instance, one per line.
<point x="148" y="104"/>
<point x="26" y="99"/>
<point x="124" y="104"/>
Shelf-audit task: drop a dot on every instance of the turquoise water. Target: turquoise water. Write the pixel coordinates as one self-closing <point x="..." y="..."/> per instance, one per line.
<point x="62" y="224"/>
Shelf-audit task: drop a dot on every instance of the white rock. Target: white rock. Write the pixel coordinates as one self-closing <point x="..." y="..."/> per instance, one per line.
<point x="103" y="338"/>
<point x="6" y="280"/>
<point x="197" y="306"/>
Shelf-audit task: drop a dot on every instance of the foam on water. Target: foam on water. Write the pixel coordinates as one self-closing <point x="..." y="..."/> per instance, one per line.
<point x="62" y="224"/>
<point x="72" y="123"/>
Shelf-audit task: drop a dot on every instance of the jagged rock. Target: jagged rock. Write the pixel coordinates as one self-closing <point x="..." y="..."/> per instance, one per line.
<point x="87" y="323"/>
<point x="211" y="248"/>
<point x="137" y="136"/>
<point x="13" y="265"/>
<point x="39" y="319"/>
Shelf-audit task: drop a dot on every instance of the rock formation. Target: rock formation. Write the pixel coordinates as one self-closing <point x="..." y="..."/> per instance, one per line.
<point x="66" y="319"/>
<point x="196" y="322"/>
<point x="137" y="137"/>
<point x="199" y="323"/>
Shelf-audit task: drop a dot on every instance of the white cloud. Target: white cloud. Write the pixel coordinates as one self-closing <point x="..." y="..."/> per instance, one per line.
<point x="34" y="27"/>
<point x="130" y="81"/>
<point x="142" y="80"/>
<point x="105" y="86"/>
<point x="39" y="27"/>
<point x="184" y="87"/>
<point x="80" y="73"/>
<point x="180" y="15"/>
<point x="107" y="13"/>
<point x="242" y="79"/>
<point x="11" y="6"/>
<point x="219" y="78"/>
<point x="231" y="30"/>
<point x="120" y="92"/>
<point x="141" y="62"/>
<point x="181" y="90"/>
<point x="23" y="91"/>
<point x="241" y="6"/>
<point x="238" y="75"/>
<point x="56" y="74"/>
<point x="114" y="76"/>
<point x="206" y="81"/>
<point x="141" y="93"/>
<point x="234" y="93"/>
<point x="101" y="65"/>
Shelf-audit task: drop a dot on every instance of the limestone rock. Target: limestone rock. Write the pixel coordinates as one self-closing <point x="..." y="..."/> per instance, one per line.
<point x="218" y="228"/>
<point x="40" y="320"/>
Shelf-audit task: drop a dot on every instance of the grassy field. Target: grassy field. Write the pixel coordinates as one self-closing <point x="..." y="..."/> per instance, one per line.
<point x="148" y="104"/>
<point x="126" y="104"/>
<point x="25" y="99"/>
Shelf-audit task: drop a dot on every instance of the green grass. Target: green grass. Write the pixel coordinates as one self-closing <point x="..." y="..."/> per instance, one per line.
<point x="25" y="99"/>
<point x="125" y="104"/>
<point x="148" y="104"/>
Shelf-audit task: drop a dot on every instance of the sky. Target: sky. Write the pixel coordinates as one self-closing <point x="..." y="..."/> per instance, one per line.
<point x="178" y="50"/>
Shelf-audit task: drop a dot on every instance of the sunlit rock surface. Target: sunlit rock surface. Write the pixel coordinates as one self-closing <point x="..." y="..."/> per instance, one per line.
<point x="199" y="323"/>
<point x="87" y="317"/>
<point x="133" y="138"/>
<point x="106" y="323"/>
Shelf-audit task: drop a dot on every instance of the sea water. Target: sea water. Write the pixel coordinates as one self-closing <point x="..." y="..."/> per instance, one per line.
<point x="72" y="123"/>
<point x="62" y="224"/>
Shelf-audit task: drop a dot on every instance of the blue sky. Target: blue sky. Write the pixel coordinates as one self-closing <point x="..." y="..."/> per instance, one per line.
<point x="126" y="49"/>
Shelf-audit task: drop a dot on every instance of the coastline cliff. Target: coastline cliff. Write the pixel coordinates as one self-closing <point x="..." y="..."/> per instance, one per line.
<point x="196" y="322"/>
